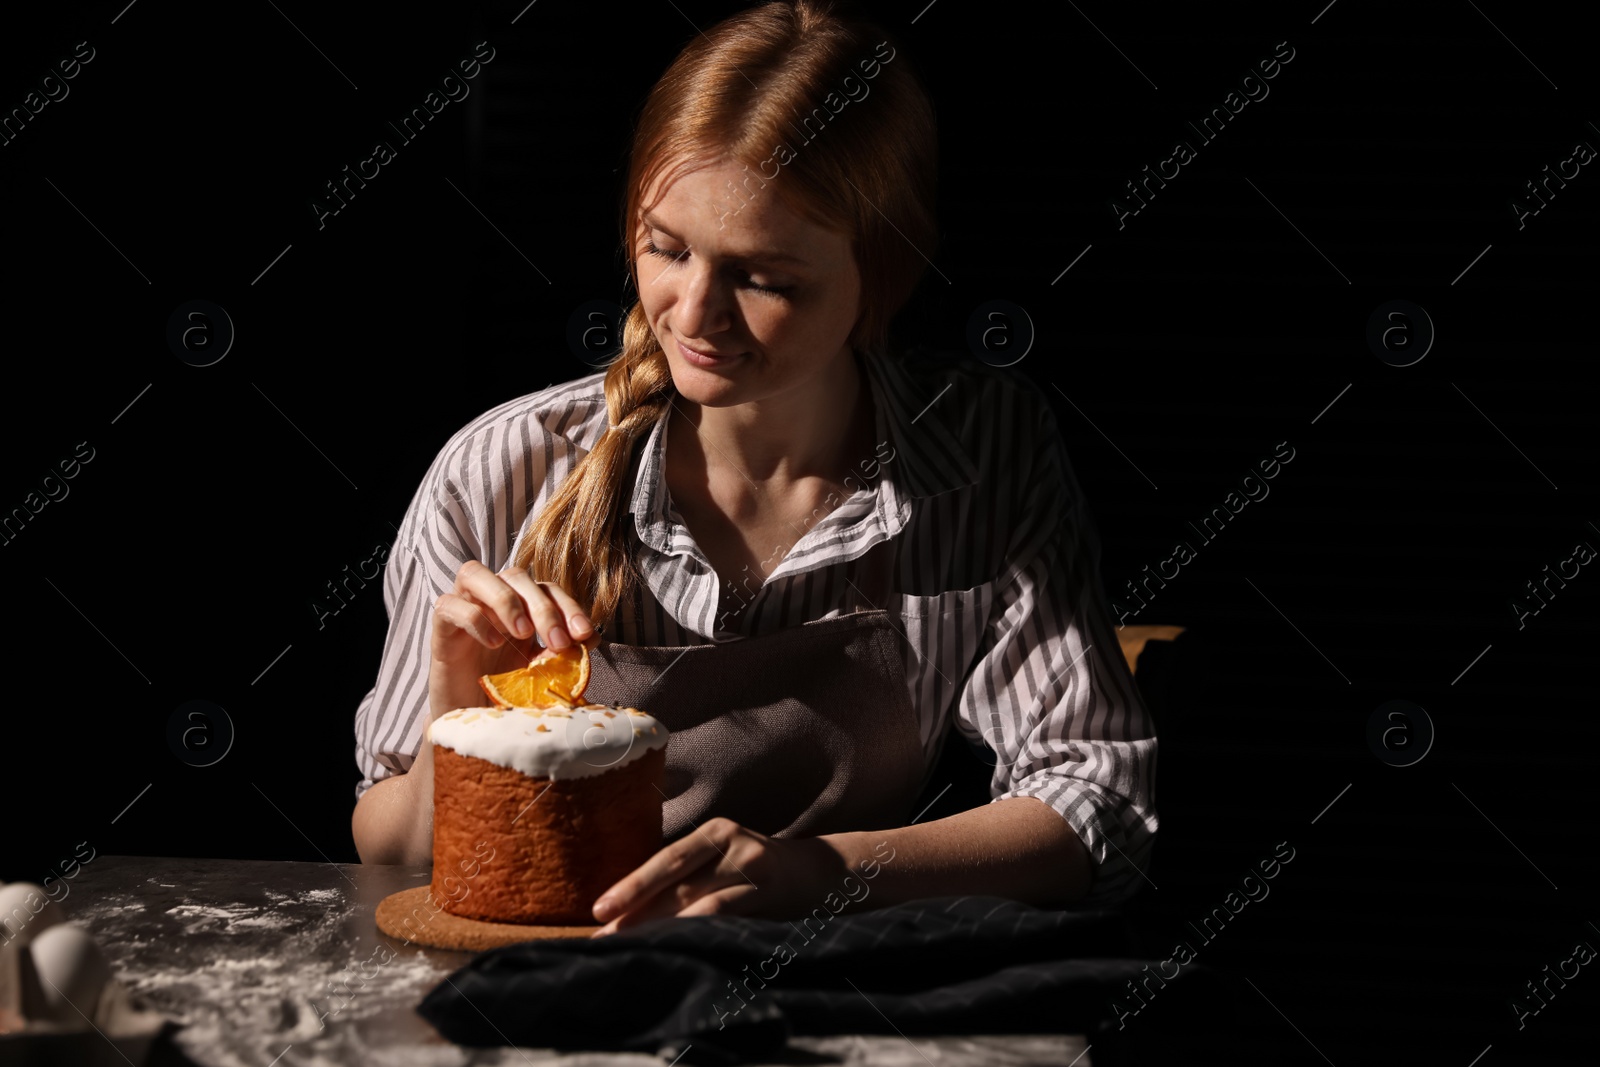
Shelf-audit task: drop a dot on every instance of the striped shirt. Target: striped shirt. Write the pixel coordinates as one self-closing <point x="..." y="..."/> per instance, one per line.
<point x="995" y="580"/>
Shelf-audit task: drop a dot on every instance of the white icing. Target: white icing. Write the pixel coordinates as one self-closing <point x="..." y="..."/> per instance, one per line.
<point x="551" y="742"/>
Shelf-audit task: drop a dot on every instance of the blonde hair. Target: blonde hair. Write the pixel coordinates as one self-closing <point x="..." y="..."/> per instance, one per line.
<point x="737" y="93"/>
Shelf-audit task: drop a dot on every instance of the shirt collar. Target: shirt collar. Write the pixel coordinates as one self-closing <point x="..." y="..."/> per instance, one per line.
<point x="916" y="453"/>
<point x="650" y="511"/>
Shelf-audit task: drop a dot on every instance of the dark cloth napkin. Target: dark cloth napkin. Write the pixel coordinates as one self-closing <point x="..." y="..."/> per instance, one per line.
<point x="722" y="988"/>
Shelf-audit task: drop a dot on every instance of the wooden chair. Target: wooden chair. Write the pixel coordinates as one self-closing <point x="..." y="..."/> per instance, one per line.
<point x="1134" y="638"/>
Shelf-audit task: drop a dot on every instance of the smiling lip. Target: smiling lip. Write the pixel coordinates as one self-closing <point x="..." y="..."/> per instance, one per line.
<point x="706" y="359"/>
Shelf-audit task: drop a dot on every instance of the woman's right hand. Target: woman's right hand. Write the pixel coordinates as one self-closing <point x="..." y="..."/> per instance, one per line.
<point x="487" y="625"/>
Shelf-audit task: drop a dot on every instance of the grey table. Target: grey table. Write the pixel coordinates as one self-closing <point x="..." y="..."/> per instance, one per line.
<point x="268" y="962"/>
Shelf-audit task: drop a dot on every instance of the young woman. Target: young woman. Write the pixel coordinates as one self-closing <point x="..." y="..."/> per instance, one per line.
<point x="809" y="559"/>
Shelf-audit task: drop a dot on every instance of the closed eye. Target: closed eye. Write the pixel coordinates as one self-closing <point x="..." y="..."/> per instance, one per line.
<point x="651" y="249"/>
<point x="678" y="257"/>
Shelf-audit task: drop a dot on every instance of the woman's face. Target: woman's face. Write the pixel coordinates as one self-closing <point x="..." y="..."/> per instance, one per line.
<point x="768" y="296"/>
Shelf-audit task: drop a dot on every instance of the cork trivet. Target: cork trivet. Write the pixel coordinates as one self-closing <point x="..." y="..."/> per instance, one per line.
<point x="410" y="916"/>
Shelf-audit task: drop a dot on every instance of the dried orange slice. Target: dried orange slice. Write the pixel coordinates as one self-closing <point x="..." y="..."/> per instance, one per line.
<point x="554" y="677"/>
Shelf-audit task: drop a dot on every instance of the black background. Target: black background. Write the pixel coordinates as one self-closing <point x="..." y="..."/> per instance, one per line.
<point x="1225" y="317"/>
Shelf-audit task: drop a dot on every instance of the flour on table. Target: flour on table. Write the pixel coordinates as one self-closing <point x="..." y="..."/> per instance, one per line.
<point x="197" y="918"/>
<point x="291" y="970"/>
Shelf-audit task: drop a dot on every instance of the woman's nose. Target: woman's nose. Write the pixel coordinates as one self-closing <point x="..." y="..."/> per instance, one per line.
<point x="702" y="303"/>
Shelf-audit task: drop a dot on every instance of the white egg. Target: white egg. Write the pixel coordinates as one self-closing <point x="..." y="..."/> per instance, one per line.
<point x="26" y="911"/>
<point x="72" y="973"/>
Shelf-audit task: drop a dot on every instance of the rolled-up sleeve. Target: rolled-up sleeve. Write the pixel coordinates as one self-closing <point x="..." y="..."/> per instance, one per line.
<point x="1051" y="695"/>
<point x="437" y="535"/>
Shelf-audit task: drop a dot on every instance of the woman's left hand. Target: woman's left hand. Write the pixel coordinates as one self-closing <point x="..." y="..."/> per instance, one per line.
<point x="723" y="868"/>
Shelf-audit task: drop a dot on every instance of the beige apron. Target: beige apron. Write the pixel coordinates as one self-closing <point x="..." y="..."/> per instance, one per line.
<point x="804" y="731"/>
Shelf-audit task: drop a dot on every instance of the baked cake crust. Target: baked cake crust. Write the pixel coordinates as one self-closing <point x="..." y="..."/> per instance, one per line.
<point x="511" y="847"/>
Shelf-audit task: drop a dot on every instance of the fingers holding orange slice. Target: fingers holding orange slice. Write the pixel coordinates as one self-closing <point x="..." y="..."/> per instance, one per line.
<point x="556" y="676"/>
